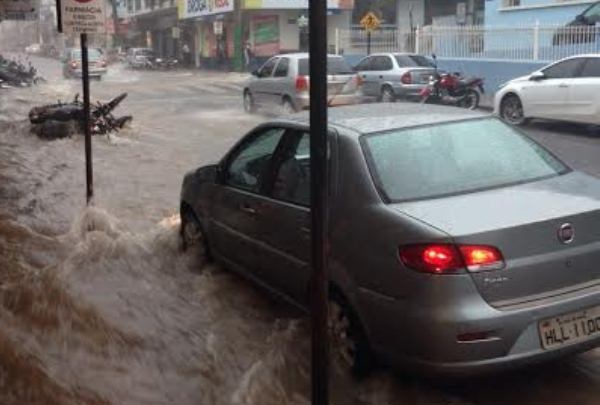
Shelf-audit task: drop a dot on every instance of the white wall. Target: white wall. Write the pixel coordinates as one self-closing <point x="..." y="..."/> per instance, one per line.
<point x="403" y="12"/>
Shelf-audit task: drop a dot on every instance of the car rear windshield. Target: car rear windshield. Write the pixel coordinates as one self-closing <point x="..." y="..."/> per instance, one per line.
<point x="413" y="61"/>
<point x="93" y="54"/>
<point x="455" y="158"/>
<point x="335" y="66"/>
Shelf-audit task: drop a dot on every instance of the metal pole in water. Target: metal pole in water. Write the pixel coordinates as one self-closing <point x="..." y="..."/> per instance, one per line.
<point x="319" y="200"/>
<point x="89" y="174"/>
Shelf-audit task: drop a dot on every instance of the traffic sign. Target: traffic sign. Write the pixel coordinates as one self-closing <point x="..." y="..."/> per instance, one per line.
<point x="83" y="16"/>
<point x="370" y="22"/>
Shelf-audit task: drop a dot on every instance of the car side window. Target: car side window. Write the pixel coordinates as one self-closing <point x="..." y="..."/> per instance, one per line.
<point x="591" y="68"/>
<point x="384" y="63"/>
<point x="564" y="70"/>
<point x="292" y="180"/>
<point x="250" y="163"/>
<point x="364" y="65"/>
<point x="282" y="68"/>
<point x="267" y="69"/>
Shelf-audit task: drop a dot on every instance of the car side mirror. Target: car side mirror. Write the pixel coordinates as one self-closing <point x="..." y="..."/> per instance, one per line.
<point x="255" y="73"/>
<point x="537" y="76"/>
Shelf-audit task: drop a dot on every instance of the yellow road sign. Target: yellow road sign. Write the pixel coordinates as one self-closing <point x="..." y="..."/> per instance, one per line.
<point x="370" y="22"/>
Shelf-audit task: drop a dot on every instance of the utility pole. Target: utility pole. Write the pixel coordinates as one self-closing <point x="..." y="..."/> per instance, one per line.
<point x="319" y="200"/>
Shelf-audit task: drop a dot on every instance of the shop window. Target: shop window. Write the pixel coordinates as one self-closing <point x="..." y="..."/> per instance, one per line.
<point x="511" y="3"/>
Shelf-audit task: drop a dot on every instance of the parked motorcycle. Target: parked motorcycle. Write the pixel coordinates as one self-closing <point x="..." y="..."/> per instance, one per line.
<point x="102" y="121"/>
<point x="453" y="89"/>
<point x="15" y="73"/>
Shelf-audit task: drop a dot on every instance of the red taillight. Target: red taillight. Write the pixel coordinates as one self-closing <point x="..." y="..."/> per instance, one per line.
<point x="447" y="258"/>
<point x="480" y="257"/>
<point x="406" y="78"/>
<point x="301" y="83"/>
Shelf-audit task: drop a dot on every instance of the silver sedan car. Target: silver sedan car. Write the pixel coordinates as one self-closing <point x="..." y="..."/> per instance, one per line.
<point x="457" y="244"/>
<point x="284" y="81"/>
<point x="390" y="76"/>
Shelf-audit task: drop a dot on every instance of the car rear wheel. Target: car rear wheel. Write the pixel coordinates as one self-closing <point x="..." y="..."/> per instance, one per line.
<point x="287" y="106"/>
<point x="348" y="339"/>
<point x="387" y="95"/>
<point x="511" y="110"/>
<point x="249" y="106"/>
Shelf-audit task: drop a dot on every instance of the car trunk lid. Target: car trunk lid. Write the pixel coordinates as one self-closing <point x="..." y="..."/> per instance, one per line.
<point x="523" y="222"/>
<point x="421" y="75"/>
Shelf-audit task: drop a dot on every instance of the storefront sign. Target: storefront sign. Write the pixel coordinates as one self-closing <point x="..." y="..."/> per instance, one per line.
<point x="295" y="4"/>
<point x="266" y="35"/>
<point x="199" y="8"/>
<point x="83" y="16"/>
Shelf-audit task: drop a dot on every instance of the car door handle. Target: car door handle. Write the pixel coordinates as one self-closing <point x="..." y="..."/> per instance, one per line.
<point x="381" y="77"/>
<point x="248" y="209"/>
<point x="364" y="76"/>
<point x="563" y="85"/>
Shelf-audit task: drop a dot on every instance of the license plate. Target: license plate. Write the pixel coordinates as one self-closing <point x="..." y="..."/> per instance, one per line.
<point x="570" y="328"/>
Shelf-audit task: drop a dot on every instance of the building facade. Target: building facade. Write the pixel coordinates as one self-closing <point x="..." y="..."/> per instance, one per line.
<point x="154" y="24"/>
<point x="413" y="13"/>
<point x="528" y="12"/>
<point x="218" y="30"/>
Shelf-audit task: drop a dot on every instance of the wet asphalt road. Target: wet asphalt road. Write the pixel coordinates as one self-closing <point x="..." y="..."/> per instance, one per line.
<point x="184" y="120"/>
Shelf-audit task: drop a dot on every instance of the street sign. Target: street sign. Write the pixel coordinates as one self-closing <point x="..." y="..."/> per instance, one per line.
<point x="83" y="16"/>
<point x="370" y="22"/>
<point x="18" y="10"/>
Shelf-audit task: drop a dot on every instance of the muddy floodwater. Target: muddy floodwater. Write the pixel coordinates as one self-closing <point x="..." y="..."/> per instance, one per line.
<point x="99" y="305"/>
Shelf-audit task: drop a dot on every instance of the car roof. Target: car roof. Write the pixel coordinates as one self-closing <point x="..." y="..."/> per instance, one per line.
<point x="370" y="118"/>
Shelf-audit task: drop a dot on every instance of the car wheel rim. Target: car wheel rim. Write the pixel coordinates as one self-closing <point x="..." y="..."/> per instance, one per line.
<point x="387" y="96"/>
<point x="339" y="332"/>
<point x="513" y="110"/>
<point x="191" y="232"/>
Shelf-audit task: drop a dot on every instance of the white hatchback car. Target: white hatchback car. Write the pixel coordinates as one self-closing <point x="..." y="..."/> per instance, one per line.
<point x="567" y="90"/>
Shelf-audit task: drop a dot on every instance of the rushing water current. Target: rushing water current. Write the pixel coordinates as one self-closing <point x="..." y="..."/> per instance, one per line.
<point x="99" y="305"/>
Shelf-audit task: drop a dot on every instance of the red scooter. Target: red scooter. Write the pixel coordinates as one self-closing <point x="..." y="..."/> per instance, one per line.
<point x="452" y="89"/>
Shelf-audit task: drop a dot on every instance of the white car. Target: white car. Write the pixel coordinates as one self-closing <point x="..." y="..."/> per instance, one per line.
<point x="567" y="90"/>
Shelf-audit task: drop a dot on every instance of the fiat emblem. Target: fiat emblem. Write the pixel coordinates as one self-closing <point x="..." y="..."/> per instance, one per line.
<point x="566" y="233"/>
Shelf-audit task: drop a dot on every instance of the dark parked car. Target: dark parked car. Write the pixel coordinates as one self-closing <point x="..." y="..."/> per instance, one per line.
<point x="457" y="244"/>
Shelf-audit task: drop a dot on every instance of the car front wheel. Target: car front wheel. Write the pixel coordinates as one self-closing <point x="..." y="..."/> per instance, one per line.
<point x="511" y="110"/>
<point x="192" y="233"/>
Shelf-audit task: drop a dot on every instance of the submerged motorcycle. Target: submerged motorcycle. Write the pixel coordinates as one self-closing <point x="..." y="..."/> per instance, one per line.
<point x="102" y="121"/>
<point x="453" y="89"/>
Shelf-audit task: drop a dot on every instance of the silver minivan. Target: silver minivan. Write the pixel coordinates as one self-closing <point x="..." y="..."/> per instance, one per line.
<point x="389" y="76"/>
<point x="284" y="81"/>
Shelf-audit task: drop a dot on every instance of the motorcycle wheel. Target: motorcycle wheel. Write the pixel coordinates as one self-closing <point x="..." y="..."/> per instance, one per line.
<point x="470" y="100"/>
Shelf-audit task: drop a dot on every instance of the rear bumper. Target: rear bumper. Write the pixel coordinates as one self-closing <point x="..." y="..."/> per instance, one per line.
<point x="408" y="90"/>
<point x="422" y="336"/>
<point x="92" y="72"/>
<point x="302" y="102"/>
